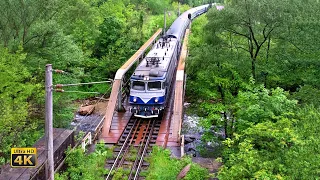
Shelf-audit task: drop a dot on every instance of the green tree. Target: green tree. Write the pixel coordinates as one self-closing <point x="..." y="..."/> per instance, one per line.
<point x="286" y="149"/>
<point x="302" y="160"/>
<point x="261" y="105"/>
<point x="248" y="43"/>
<point x="14" y="93"/>
<point x="213" y="69"/>
<point x="81" y="20"/>
<point x="258" y="152"/>
<point x="251" y="24"/>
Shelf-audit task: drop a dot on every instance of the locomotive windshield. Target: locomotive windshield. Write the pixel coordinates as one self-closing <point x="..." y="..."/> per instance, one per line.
<point x="138" y="85"/>
<point x="154" y="86"/>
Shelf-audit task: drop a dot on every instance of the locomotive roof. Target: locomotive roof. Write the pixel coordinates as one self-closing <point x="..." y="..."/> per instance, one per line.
<point x="161" y="57"/>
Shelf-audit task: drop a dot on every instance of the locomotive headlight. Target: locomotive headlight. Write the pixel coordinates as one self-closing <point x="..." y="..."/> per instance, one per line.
<point x="156" y="100"/>
<point x="134" y="99"/>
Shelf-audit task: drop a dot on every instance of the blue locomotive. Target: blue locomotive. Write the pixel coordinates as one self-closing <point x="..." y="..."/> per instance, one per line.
<point x="152" y="79"/>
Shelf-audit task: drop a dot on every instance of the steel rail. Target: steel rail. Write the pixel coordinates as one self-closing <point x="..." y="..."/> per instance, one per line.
<point x="139" y="152"/>
<point x="124" y="144"/>
<point x="144" y="151"/>
<point x="132" y="138"/>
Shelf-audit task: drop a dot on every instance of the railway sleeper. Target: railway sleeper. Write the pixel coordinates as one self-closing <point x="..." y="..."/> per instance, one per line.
<point x="122" y="139"/>
<point x="154" y="136"/>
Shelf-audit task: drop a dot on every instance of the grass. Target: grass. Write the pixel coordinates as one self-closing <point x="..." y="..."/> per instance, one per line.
<point x="121" y="174"/>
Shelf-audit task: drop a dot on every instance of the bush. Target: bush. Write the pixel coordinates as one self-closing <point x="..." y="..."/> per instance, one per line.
<point x="163" y="166"/>
<point x="82" y="166"/>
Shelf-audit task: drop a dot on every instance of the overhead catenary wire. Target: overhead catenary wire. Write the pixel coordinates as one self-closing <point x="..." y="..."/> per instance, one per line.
<point x="70" y="74"/>
<point x="58" y="87"/>
<point x="87" y="114"/>
<point x="79" y="84"/>
<point x="81" y="92"/>
<point x="93" y="124"/>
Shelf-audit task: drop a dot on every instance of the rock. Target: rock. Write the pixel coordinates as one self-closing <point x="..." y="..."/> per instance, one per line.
<point x="190" y="136"/>
<point x="209" y="163"/>
<point x="86" y="110"/>
<point x="186" y="104"/>
<point x="188" y="140"/>
<point x="184" y="172"/>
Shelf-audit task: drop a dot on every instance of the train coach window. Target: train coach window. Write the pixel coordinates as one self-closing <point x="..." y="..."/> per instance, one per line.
<point x="138" y="85"/>
<point x="154" y="86"/>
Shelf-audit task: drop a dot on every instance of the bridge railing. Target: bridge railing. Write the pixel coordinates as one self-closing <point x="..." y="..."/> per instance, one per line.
<point x="179" y="90"/>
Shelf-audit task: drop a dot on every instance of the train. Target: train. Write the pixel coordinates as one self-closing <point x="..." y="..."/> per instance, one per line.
<point x="150" y="83"/>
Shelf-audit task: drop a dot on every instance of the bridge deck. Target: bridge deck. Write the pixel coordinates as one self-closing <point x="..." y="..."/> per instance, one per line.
<point x="164" y="138"/>
<point x="118" y="124"/>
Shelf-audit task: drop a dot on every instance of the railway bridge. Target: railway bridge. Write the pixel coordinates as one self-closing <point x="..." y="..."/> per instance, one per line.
<point x="117" y="112"/>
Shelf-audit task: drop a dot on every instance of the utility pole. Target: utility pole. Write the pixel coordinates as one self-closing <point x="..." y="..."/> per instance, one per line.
<point x="48" y="124"/>
<point x="179" y="9"/>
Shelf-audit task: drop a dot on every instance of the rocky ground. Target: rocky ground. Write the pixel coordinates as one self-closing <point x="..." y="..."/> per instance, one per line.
<point x="192" y="133"/>
<point x="92" y="113"/>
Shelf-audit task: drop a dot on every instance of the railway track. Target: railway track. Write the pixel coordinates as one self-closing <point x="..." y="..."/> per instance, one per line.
<point x="133" y="146"/>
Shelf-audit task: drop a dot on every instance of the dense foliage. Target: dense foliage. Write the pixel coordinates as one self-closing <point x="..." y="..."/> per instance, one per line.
<point x="83" y="166"/>
<point x="89" y="39"/>
<point x="254" y="69"/>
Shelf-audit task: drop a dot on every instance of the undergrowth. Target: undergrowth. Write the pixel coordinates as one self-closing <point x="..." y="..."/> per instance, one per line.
<point x="163" y="166"/>
<point x="83" y="166"/>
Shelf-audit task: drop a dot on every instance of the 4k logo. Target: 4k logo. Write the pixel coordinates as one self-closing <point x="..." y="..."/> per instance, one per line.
<point x="23" y="157"/>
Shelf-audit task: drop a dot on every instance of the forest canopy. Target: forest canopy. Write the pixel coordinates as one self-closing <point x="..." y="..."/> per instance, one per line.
<point x="253" y="75"/>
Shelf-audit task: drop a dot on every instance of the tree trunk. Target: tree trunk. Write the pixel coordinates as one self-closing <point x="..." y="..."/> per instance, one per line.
<point x="253" y="68"/>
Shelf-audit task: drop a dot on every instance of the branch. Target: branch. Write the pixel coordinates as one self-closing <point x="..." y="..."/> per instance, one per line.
<point x="270" y="32"/>
<point x="264" y="30"/>
<point x="237" y="47"/>
<point x="253" y="38"/>
<point x="35" y="36"/>
<point x="237" y="33"/>
<point x="296" y="46"/>
<point x="240" y="47"/>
